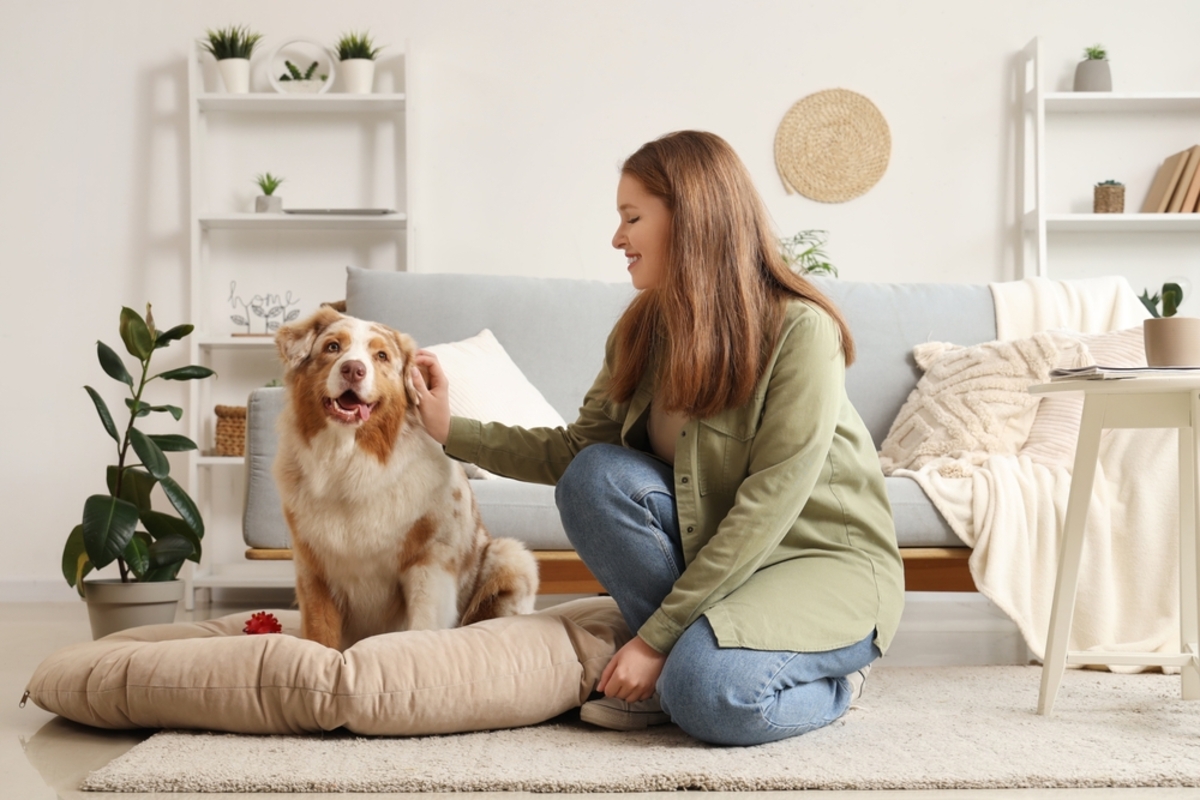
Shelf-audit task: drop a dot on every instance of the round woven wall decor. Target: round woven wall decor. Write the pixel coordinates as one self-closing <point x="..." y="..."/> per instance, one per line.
<point x="832" y="146"/>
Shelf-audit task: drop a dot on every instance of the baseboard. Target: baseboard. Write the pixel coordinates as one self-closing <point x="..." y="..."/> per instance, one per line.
<point x="44" y="591"/>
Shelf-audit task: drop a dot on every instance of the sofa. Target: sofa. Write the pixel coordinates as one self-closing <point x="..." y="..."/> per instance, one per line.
<point x="554" y="330"/>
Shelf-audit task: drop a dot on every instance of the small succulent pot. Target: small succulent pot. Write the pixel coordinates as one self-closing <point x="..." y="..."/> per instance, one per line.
<point x="1093" y="75"/>
<point x="235" y="74"/>
<point x="1172" y="341"/>
<point x="359" y="75"/>
<point x="268" y="204"/>
<point x="1108" y="199"/>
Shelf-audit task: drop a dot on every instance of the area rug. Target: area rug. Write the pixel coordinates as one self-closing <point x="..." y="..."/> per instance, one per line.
<point x="915" y="728"/>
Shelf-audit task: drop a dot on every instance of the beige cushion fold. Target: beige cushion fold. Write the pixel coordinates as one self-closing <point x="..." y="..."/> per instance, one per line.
<point x="210" y="676"/>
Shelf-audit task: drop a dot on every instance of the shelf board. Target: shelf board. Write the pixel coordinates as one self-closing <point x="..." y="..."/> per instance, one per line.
<point x="249" y="574"/>
<point x="1130" y="102"/>
<point x="228" y="342"/>
<point x="1121" y="223"/>
<point x="220" y="461"/>
<point x="307" y="103"/>
<point x="308" y="222"/>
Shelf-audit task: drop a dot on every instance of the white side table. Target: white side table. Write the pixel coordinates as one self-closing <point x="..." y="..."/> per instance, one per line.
<point x="1141" y="402"/>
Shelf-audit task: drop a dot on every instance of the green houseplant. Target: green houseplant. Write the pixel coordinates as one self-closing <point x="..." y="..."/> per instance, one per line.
<point x="1170" y="340"/>
<point x="267" y="201"/>
<point x="1092" y="74"/>
<point x="121" y="526"/>
<point x="805" y="253"/>
<point x="356" y="52"/>
<point x="232" y="47"/>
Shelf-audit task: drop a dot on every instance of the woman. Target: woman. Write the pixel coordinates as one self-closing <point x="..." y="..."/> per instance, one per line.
<point x="717" y="482"/>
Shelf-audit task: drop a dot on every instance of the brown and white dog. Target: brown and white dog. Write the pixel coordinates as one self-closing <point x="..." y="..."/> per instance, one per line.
<point x="386" y="533"/>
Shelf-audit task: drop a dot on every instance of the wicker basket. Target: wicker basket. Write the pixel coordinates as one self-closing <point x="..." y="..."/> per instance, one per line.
<point x="231" y="431"/>
<point x="1108" y="199"/>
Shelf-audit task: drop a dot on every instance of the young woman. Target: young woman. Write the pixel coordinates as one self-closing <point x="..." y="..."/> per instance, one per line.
<point x="717" y="482"/>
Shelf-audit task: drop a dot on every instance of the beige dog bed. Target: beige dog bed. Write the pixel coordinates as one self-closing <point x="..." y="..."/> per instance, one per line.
<point x="210" y="675"/>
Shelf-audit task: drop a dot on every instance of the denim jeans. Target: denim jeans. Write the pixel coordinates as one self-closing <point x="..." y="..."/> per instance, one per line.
<point x="618" y="510"/>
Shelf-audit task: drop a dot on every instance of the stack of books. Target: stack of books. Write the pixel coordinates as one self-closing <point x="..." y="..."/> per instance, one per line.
<point x="1176" y="187"/>
<point x="1101" y="373"/>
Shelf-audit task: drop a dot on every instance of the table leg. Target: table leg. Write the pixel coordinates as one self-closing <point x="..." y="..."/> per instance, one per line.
<point x="1189" y="606"/>
<point x="1078" y="501"/>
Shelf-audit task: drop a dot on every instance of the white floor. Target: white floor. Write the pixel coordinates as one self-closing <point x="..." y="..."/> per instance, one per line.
<point x="42" y="756"/>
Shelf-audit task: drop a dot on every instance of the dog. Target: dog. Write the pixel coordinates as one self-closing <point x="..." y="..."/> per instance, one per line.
<point x="386" y="533"/>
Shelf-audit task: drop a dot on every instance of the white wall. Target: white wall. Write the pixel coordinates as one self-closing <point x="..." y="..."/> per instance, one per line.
<point x="523" y="110"/>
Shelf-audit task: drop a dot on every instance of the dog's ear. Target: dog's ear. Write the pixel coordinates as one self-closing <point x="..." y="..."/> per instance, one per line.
<point x="408" y="355"/>
<point x="295" y="341"/>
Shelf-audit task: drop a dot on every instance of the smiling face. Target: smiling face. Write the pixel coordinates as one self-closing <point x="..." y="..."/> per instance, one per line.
<point x="644" y="233"/>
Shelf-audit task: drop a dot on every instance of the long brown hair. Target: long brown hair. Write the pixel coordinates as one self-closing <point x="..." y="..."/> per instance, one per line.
<point x="717" y="310"/>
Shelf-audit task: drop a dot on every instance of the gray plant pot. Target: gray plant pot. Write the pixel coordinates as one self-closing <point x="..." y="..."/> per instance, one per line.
<point x="268" y="204"/>
<point x="114" y="606"/>
<point x="1093" y="75"/>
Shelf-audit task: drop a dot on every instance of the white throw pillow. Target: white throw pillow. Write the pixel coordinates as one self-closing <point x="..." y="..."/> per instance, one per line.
<point x="972" y="401"/>
<point x="485" y="384"/>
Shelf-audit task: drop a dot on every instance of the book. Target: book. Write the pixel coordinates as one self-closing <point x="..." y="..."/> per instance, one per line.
<point x="1097" y="372"/>
<point x="1192" y="196"/>
<point x="1185" y="180"/>
<point x="1164" y="184"/>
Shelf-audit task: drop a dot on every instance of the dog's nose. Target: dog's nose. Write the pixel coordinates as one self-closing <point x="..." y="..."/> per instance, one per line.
<point x="354" y="371"/>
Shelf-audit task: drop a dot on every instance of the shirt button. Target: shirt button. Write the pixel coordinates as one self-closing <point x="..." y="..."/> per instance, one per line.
<point x="683" y="479"/>
<point x="690" y="528"/>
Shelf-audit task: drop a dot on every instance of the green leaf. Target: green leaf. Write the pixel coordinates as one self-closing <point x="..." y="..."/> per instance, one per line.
<point x="170" y="550"/>
<point x="184" y="505"/>
<point x="165" y="338"/>
<point x="135" y="487"/>
<point x="188" y="373"/>
<point x="136" y="335"/>
<point x="112" y="364"/>
<point x="137" y="554"/>
<point x="162" y="526"/>
<point x="75" y="561"/>
<point x="172" y="442"/>
<point x="108" y="525"/>
<point x="152" y="457"/>
<point x="1172" y="296"/>
<point x="137" y="407"/>
<point x="105" y="417"/>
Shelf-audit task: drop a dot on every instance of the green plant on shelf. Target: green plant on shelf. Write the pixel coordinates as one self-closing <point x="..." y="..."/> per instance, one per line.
<point x="231" y="42"/>
<point x="1171" y="297"/>
<point x="294" y="74"/>
<point x="1110" y="183"/>
<point x="804" y="252"/>
<point x="1095" y="53"/>
<point x="357" y="45"/>
<point x="268" y="183"/>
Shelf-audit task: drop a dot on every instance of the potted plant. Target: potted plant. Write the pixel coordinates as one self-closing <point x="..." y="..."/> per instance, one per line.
<point x="1108" y="197"/>
<point x="232" y="47"/>
<point x="149" y="558"/>
<point x="356" y="52"/>
<point x="1170" y="340"/>
<point x="267" y="202"/>
<point x="805" y="253"/>
<point x="1092" y="74"/>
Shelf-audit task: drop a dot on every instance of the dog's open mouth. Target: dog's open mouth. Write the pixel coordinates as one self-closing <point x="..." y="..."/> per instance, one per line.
<point x="348" y="408"/>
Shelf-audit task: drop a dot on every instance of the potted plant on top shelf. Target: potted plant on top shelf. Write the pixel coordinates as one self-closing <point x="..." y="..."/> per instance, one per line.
<point x="1170" y="340"/>
<point x="149" y="559"/>
<point x="232" y="47"/>
<point x="356" y="53"/>
<point x="1092" y="74"/>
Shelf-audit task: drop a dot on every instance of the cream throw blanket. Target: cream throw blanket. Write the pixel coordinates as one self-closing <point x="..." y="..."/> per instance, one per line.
<point x="1010" y="509"/>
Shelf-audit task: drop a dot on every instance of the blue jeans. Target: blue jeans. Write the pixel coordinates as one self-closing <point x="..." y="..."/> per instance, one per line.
<point x="618" y="510"/>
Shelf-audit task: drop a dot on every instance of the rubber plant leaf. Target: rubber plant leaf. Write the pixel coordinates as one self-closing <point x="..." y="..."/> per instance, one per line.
<point x="136" y="334"/>
<point x="184" y="505"/>
<point x="152" y="457"/>
<point x="105" y="417"/>
<point x="108" y="525"/>
<point x="112" y="364"/>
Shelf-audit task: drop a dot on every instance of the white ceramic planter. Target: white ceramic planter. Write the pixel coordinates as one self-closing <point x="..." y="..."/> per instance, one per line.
<point x="1093" y="75"/>
<point x="114" y="606"/>
<point x="1172" y="341"/>
<point x="358" y="75"/>
<point x="235" y="73"/>
<point x="268" y="204"/>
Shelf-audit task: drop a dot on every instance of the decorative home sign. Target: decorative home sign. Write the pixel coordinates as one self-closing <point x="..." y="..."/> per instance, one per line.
<point x="832" y="146"/>
<point x="274" y="310"/>
<point x="301" y="66"/>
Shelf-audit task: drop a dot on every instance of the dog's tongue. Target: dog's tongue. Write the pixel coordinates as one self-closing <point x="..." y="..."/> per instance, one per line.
<point x="350" y="402"/>
<point x="364" y="412"/>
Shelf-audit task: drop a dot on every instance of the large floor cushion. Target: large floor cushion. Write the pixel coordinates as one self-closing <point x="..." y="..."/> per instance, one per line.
<point x="211" y="676"/>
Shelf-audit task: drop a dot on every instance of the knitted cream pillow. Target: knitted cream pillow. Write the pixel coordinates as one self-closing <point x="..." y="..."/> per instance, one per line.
<point x="972" y="401"/>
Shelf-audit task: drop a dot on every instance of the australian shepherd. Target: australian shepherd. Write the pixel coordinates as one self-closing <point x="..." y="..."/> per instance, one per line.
<point x="386" y="534"/>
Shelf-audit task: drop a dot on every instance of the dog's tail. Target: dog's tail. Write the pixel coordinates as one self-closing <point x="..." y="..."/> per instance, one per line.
<point x="506" y="584"/>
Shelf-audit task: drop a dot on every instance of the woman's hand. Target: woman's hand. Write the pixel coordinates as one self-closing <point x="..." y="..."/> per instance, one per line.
<point x="632" y="672"/>
<point x="433" y="396"/>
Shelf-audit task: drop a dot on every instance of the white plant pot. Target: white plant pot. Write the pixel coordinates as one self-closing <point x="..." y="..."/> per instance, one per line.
<point x="1172" y="341"/>
<point x="268" y="204"/>
<point x="359" y="75"/>
<point x="114" y="606"/>
<point x="235" y="73"/>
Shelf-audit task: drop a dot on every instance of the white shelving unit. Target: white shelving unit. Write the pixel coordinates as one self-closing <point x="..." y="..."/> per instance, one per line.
<point x="1038" y="221"/>
<point x="247" y="116"/>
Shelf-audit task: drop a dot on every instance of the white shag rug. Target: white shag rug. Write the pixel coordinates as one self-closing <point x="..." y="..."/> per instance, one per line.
<point x="915" y="728"/>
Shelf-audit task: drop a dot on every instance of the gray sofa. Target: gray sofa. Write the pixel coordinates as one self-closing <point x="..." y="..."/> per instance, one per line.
<point x="555" y="329"/>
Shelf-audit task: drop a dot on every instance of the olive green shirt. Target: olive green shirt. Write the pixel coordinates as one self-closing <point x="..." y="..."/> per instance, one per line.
<point x="786" y="528"/>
